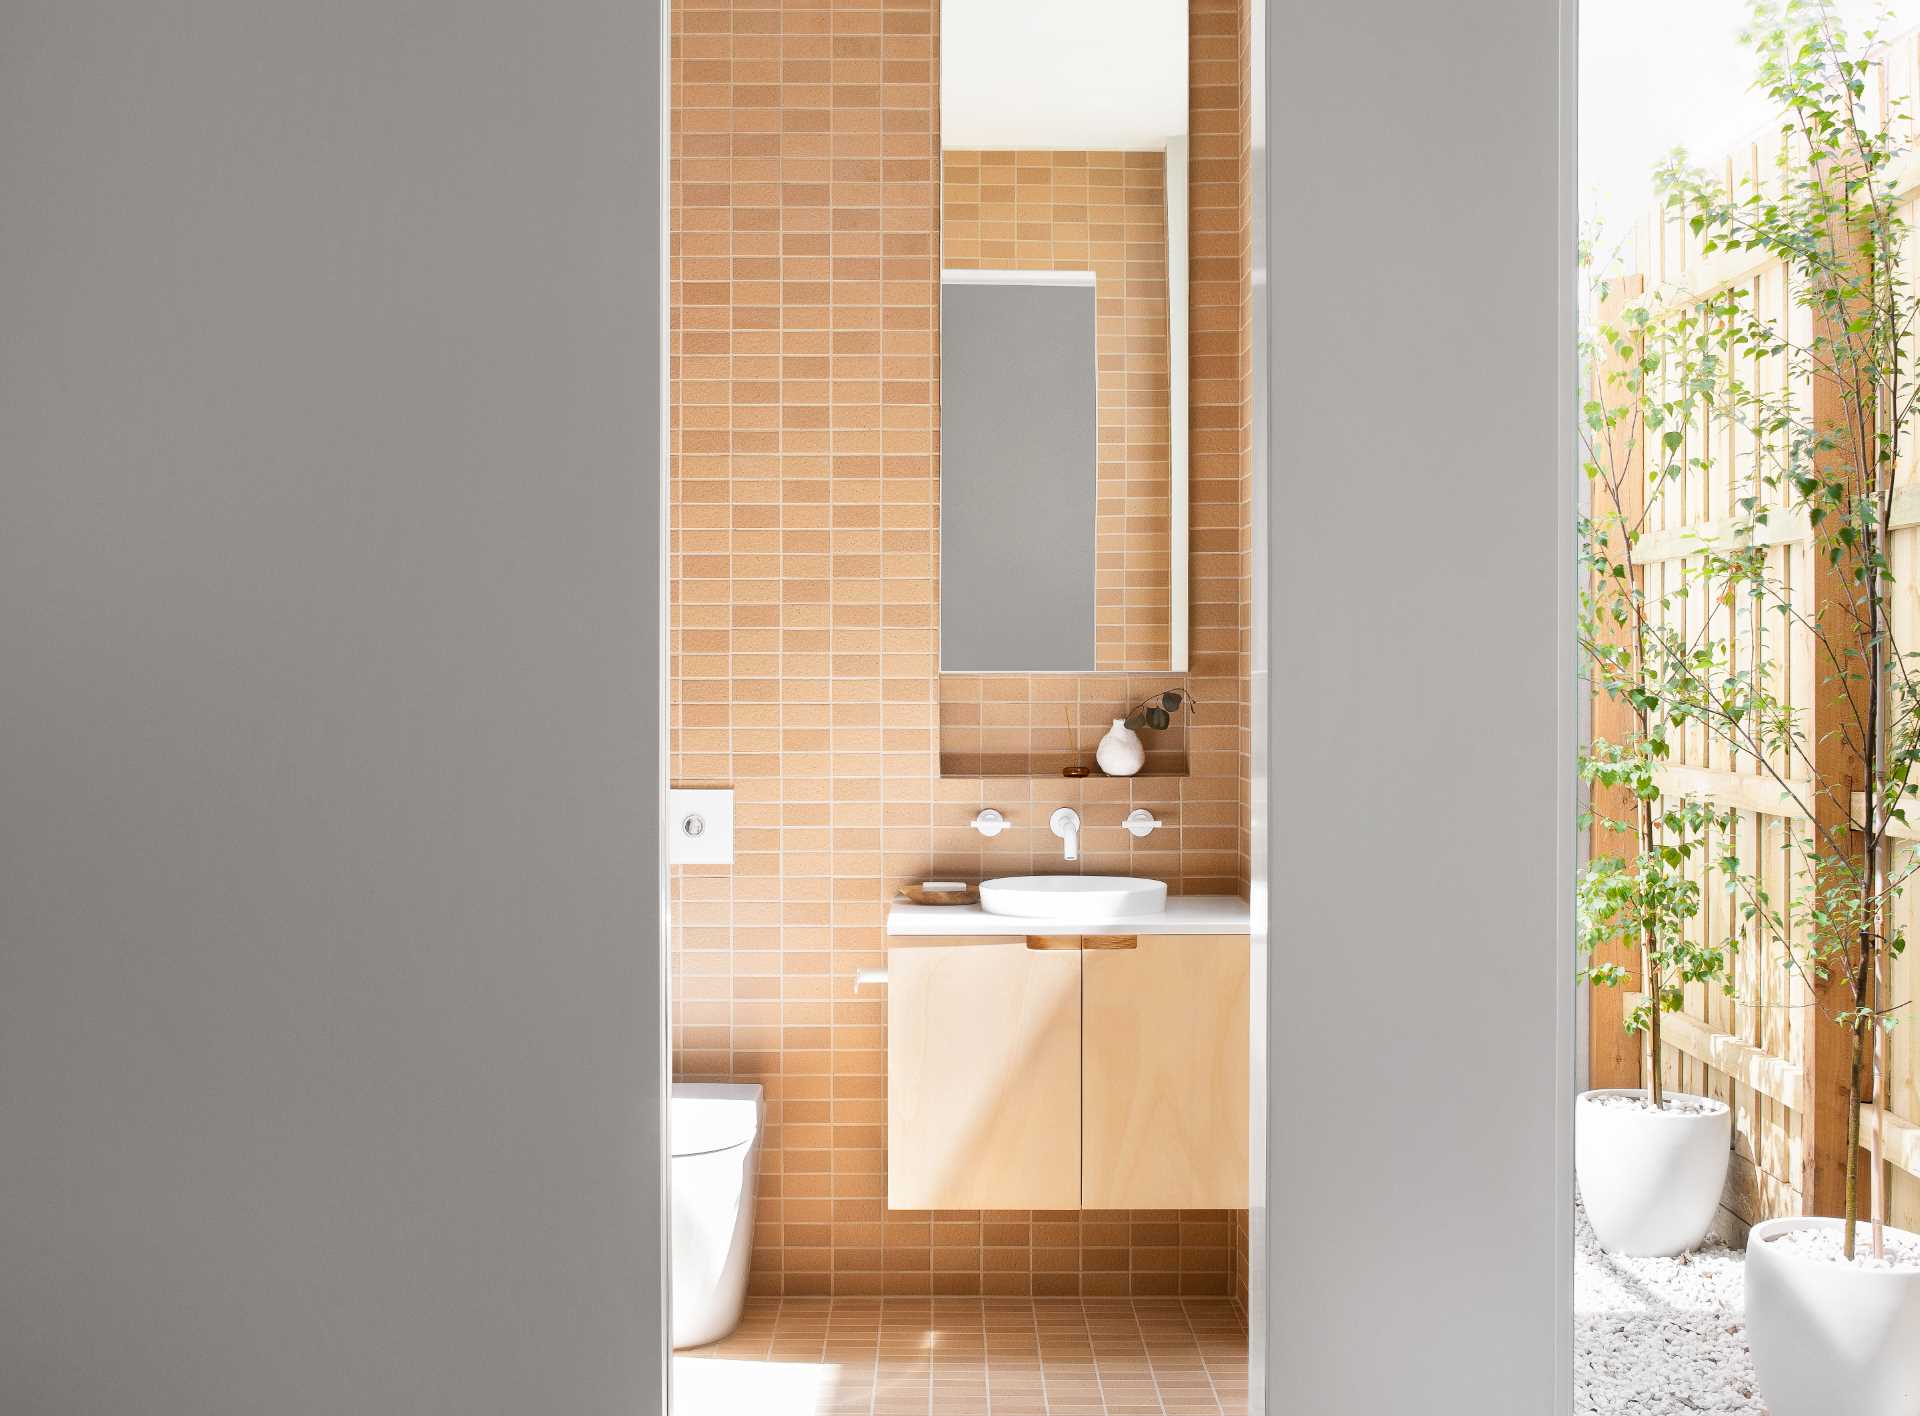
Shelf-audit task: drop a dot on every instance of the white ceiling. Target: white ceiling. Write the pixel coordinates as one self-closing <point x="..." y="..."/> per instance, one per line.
<point x="1062" y="73"/>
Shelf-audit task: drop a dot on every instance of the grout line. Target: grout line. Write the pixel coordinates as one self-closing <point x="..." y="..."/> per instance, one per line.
<point x="1099" y="1380"/>
<point x="1206" y="1366"/>
<point x="1040" y="1358"/>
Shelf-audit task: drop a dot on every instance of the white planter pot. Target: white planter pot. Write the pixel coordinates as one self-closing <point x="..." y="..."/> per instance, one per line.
<point x="1829" y="1338"/>
<point x="1120" y="753"/>
<point x="1650" y="1180"/>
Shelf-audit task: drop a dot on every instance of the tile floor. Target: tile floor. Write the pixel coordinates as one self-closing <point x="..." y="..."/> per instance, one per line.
<point x="972" y="1357"/>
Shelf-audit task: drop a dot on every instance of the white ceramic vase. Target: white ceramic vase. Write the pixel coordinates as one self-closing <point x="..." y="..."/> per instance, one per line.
<point x="1650" y="1180"/>
<point x="1121" y="752"/>
<point x="1831" y="1337"/>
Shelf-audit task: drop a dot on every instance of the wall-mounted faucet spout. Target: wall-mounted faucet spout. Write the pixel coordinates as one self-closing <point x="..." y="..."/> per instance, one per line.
<point x="1066" y="825"/>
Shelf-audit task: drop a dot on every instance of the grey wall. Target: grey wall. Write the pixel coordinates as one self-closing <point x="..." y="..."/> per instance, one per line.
<point x="329" y="702"/>
<point x="1420" y="707"/>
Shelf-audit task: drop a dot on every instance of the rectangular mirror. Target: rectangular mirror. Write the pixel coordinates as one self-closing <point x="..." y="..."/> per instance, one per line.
<point x="1019" y="429"/>
<point x="1063" y="348"/>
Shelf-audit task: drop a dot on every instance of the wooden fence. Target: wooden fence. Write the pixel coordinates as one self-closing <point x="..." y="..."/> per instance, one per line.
<point x="1772" y="1053"/>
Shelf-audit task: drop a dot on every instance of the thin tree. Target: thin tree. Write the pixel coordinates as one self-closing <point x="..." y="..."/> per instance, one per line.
<point x="1826" y="472"/>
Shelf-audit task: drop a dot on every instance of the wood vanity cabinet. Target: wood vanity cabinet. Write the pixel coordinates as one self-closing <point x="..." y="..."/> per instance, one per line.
<point x="983" y="1075"/>
<point x="1110" y="1076"/>
<point x="1163" y="1074"/>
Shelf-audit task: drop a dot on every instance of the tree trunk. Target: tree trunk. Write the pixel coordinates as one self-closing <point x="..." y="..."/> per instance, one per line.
<point x="1649" y="975"/>
<point x="1656" y="1084"/>
<point x="1877" y="1206"/>
<point x="1853" y="1147"/>
<point x="1856" y="1087"/>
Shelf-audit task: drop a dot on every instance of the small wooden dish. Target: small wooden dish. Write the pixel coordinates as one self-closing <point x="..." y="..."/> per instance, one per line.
<point x="919" y="895"/>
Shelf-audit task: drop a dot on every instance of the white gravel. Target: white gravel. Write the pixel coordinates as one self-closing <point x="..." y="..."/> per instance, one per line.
<point x="1827" y="1245"/>
<point x="1660" y="1337"/>
<point x="1675" y="1105"/>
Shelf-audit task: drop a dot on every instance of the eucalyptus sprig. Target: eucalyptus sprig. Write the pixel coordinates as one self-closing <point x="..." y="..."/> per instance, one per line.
<point x="1157" y="712"/>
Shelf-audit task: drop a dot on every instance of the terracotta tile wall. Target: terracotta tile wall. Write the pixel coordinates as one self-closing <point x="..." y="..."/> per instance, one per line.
<point x="805" y="305"/>
<point x="1221" y="113"/>
<point x="1104" y="212"/>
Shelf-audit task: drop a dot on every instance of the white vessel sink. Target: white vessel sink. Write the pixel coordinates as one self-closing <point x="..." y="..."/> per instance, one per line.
<point x="1073" y="899"/>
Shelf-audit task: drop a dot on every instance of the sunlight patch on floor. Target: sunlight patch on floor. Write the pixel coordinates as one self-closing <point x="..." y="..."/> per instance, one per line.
<point x="723" y="1386"/>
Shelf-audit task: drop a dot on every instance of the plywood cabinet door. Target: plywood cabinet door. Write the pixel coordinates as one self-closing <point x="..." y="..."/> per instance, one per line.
<point x="1164" y="1088"/>
<point x="983" y="1076"/>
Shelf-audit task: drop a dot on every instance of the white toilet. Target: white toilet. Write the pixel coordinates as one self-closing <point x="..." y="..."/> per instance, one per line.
<point x="715" y="1131"/>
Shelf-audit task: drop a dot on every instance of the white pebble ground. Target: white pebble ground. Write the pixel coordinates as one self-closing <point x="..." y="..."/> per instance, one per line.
<point x="1660" y="1337"/>
<point x="1902" y="1251"/>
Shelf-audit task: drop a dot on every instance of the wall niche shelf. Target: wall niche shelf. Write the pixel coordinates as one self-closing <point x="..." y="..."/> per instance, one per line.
<point x="1160" y="767"/>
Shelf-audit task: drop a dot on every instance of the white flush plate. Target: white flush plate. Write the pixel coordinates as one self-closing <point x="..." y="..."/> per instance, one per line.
<point x="700" y="826"/>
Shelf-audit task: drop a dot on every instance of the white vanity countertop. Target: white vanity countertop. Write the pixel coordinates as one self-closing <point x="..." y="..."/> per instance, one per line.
<point x="1185" y="914"/>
